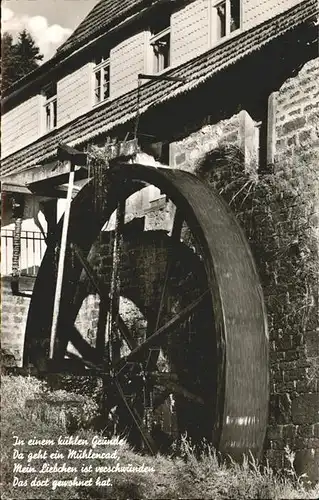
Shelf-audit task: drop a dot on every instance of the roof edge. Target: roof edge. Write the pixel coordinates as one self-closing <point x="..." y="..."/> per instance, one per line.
<point x="61" y="58"/>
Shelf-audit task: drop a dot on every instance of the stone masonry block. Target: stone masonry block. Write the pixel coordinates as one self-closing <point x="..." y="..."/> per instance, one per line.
<point x="306" y="386"/>
<point x="306" y="431"/>
<point x="274" y="432"/>
<point x="310" y="107"/>
<point x="295" y="112"/>
<point x="281" y="144"/>
<point x="179" y="159"/>
<point x="289" y="431"/>
<point x="312" y="342"/>
<point x="292" y="125"/>
<point x="306" y="443"/>
<point x="313" y="118"/>
<point x="280" y="409"/>
<point x="307" y="462"/>
<point x="295" y="374"/>
<point x="305" y="409"/>
<point x="292" y="141"/>
<point x="284" y="387"/>
<point x="291" y="355"/>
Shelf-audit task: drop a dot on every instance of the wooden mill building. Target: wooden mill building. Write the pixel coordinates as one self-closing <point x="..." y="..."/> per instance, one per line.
<point x="186" y="80"/>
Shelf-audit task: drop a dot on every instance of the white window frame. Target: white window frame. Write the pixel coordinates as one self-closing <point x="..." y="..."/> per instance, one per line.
<point x="50" y="118"/>
<point x="228" y="31"/>
<point x="100" y="68"/>
<point x="155" y="39"/>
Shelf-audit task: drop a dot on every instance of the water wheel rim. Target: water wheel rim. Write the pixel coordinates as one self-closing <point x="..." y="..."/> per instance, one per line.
<point x="237" y="299"/>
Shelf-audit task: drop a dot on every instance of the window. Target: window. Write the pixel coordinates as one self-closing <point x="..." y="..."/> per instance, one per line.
<point x="50" y="107"/>
<point x="227" y="17"/>
<point x="102" y="78"/>
<point x="161" y="43"/>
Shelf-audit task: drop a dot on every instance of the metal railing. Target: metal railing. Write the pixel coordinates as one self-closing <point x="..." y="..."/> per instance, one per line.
<point x="33" y="247"/>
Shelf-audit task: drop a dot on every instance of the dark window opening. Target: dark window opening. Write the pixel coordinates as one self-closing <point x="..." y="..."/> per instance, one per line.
<point x="234" y="15"/>
<point x="50" y="106"/>
<point x="227" y="17"/>
<point x="164" y="156"/>
<point x="161" y="42"/>
<point x="161" y="50"/>
<point x="102" y="82"/>
<point x="221" y="20"/>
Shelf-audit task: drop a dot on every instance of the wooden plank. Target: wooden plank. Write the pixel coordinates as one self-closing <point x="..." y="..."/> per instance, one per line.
<point x="53" y="180"/>
<point x="271" y="128"/>
<point x="62" y="253"/>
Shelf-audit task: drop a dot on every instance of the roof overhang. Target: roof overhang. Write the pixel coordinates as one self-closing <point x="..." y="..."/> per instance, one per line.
<point x="45" y="180"/>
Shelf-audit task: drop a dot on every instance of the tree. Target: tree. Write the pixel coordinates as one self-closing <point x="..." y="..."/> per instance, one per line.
<point x="27" y="53"/>
<point x="9" y="62"/>
<point x="18" y="59"/>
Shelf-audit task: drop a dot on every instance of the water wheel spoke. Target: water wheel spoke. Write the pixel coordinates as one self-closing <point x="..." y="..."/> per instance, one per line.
<point x="175" y="236"/>
<point x="154" y="353"/>
<point x="88" y="269"/>
<point x="112" y="333"/>
<point x="169" y="381"/>
<point x="128" y="337"/>
<point x="104" y="306"/>
<point x="101" y="326"/>
<point x="149" y="441"/>
<point x="163" y="330"/>
<point x="83" y="361"/>
<point x="82" y="346"/>
<point x="152" y="359"/>
<point x="161" y="398"/>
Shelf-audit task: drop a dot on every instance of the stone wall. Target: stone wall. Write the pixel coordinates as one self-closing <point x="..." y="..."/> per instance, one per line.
<point x="279" y="210"/>
<point x="295" y="401"/>
<point x="297" y="113"/>
<point x="14" y="312"/>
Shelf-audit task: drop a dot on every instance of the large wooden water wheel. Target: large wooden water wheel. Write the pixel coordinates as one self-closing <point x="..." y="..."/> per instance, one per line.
<point x="198" y="362"/>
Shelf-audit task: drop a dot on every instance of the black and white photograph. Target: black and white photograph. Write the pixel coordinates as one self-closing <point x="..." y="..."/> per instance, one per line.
<point x="159" y="249"/>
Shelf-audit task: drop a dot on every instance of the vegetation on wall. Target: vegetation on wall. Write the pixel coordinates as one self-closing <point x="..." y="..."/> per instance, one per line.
<point x="278" y="211"/>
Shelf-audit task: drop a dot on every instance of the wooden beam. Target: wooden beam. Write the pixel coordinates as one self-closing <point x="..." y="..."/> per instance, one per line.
<point x="23" y="189"/>
<point x="54" y="180"/>
<point x="271" y="128"/>
<point x="174" y="387"/>
<point x="152" y="339"/>
<point x="112" y="317"/>
<point x="62" y="253"/>
<point x="67" y="153"/>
